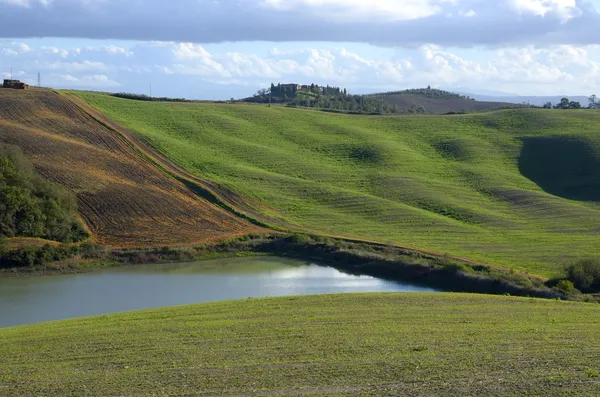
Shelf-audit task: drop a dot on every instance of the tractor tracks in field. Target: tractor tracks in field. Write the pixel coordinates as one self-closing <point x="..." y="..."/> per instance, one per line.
<point x="212" y="192"/>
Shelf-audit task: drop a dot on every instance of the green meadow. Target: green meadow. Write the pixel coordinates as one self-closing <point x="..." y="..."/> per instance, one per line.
<point x="373" y="344"/>
<point x="517" y="188"/>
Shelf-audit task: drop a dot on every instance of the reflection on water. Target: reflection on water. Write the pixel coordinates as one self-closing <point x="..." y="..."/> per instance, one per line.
<point x="37" y="299"/>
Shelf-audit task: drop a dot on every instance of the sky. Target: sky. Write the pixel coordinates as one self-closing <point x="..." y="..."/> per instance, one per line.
<point x="218" y="49"/>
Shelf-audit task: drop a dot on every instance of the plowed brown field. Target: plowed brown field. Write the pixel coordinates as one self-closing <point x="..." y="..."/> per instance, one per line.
<point x="124" y="199"/>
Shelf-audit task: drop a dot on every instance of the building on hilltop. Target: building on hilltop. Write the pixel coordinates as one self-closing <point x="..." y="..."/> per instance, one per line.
<point x="295" y="87"/>
<point x="16" y="84"/>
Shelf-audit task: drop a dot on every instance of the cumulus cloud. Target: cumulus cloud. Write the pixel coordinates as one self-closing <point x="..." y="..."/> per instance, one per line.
<point x="187" y="69"/>
<point x="382" y="22"/>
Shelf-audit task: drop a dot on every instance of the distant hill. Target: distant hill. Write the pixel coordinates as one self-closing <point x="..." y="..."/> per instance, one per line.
<point x="530" y="99"/>
<point x="430" y="100"/>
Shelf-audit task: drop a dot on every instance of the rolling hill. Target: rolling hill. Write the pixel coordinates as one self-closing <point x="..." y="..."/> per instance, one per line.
<point x="517" y="188"/>
<point x="374" y="344"/>
<point x="441" y="105"/>
<point x="124" y="199"/>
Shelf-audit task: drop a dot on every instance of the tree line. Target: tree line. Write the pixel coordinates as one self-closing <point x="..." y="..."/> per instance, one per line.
<point x="143" y="97"/>
<point x="565" y="103"/>
<point x="31" y="206"/>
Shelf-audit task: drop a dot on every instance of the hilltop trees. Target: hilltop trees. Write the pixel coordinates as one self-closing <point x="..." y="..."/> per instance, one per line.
<point x="323" y="97"/>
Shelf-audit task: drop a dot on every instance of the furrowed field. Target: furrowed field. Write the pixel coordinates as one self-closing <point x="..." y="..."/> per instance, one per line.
<point x="124" y="200"/>
<point x="518" y="188"/>
<point x="374" y="344"/>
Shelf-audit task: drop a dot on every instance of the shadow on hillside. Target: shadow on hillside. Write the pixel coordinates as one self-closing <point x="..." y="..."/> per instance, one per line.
<point x="567" y="167"/>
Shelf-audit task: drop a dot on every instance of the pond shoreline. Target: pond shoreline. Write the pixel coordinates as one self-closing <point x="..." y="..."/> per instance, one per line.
<point x="151" y="286"/>
<point x="377" y="260"/>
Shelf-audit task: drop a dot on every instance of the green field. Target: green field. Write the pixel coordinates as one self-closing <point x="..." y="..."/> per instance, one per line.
<point x="385" y="344"/>
<point x="517" y="188"/>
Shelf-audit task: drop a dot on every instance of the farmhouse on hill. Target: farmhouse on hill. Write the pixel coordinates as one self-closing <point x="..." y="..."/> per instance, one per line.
<point x="16" y="84"/>
<point x="295" y="87"/>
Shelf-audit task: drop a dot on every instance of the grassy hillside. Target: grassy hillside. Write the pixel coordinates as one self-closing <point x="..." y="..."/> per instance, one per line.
<point x="516" y="187"/>
<point x="407" y="101"/>
<point x="124" y="200"/>
<point x="384" y="344"/>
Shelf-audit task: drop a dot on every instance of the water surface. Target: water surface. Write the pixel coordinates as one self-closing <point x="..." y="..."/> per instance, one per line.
<point x="45" y="298"/>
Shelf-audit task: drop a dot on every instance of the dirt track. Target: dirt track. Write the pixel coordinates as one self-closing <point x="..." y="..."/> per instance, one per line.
<point x="124" y="199"/>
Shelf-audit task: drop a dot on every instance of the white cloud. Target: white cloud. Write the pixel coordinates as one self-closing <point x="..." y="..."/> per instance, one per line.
<point x="188" y="67"/>
<point x="565" y="9"/>
<point x="86" y="81"/>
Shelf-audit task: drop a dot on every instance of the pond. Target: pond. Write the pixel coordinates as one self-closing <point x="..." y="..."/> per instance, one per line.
<point x="37" y="299"/>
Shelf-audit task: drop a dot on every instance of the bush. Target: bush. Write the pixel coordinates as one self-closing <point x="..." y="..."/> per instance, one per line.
<point x="37" y="256"/>
<point x="565" y="286"/>
<point x="585" y="275"/>
<point x="299" y="238"/>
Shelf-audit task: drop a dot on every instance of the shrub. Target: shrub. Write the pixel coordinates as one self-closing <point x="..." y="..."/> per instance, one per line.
<point x="298" y="238"/>
<point x="565" y="285"/>
<point x="585" y="274"/>
<point x="455" y="267"/>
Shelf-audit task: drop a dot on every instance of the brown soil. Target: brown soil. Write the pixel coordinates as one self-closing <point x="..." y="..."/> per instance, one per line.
<point x="124" y="198"/>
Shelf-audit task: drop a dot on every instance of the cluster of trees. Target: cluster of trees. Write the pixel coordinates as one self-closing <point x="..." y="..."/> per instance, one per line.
<point x="327" y="98"/>
<point x="31" y="206"/>
<point x="585" y="275"/>
<point x="346" y="103"/>
<point x="429" y="93"/>
<point x="565" y="103"/>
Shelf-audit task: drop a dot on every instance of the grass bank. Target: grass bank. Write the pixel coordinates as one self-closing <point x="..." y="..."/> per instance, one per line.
<point x="384" y="344"/>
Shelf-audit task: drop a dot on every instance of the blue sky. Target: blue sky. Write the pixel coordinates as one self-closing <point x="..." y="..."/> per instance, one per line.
<point x="215" y="49"/>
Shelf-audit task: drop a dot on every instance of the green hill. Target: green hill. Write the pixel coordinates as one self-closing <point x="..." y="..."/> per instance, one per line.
<point x="518" y="188"/>
<point x="428" y="100"/>
<point x="373" y="344"/>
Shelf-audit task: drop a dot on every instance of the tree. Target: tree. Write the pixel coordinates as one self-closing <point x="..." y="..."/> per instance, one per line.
<point x="574" y="105"/>
<point x="593" y="103"/>
<point x="548" y="105"/>
<point x="563" y="104"/>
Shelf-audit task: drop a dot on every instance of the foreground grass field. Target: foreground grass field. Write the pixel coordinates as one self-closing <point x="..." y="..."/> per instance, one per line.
<point x="387" y="344"/>
<point x="518" y="188"/>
